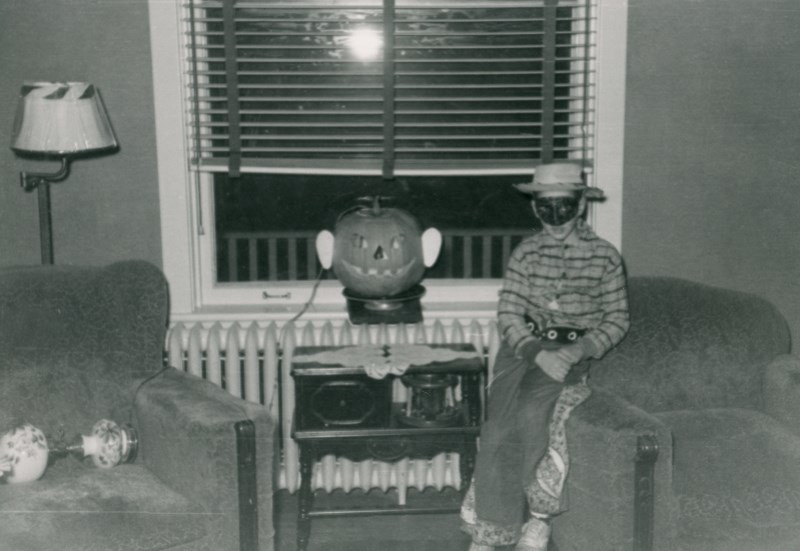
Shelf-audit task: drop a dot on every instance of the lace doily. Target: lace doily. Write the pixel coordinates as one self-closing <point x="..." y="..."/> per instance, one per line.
<point x="380" y="361"/>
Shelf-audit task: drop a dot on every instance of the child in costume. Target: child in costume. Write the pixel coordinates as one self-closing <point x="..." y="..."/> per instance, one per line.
<point x="563" y="302"/>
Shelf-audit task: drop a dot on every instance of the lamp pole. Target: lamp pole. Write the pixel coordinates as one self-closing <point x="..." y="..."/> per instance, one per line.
<point x="45" y="223"/>
<point x="41" y="181"/>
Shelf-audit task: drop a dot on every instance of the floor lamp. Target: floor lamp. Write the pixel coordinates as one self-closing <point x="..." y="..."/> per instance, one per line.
<point x="62" y="121"/>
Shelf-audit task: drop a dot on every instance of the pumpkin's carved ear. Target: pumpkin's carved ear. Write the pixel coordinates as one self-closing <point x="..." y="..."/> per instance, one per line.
<point x="325" y="248"/>
<point x="431" y="244"/>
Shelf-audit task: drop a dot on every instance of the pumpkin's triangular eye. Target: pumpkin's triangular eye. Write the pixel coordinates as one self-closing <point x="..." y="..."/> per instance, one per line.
<point x="359" y="241"/>
<point x="398" y="241"/>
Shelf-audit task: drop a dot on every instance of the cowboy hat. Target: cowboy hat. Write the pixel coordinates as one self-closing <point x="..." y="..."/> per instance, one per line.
<point x="559" y="177"/>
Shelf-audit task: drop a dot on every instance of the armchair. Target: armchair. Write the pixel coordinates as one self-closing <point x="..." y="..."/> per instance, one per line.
<point x="704" y="385"/>
<point x="78" y="344"/>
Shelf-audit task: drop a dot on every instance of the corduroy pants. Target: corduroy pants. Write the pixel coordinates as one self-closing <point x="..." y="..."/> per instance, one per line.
<point x="513" y="439"/>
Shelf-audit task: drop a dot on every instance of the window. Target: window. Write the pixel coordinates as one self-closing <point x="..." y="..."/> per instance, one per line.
<point x="297" y="109"/>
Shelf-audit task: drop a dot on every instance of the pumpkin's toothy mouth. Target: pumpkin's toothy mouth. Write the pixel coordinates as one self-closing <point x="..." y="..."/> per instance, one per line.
<point x="375" y="272"/>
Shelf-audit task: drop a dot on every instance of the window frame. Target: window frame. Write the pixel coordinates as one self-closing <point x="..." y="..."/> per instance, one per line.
<point x="186" y="201"/>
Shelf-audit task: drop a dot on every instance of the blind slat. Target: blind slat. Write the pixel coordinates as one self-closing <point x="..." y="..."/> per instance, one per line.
<point x="371" y="167"/>
<point x="346" y="33"/>
<point x="265" y="60"/>
<point x="434" y="137"/>
<point x="339" y="113"/>
<point x="365" y="4"/>
<point x="399" y="99"/>
<point x="311" y="124"/>
<point x="359" y="150"/>
<point x="289" y="124"/>
<point x="404" y="48"/>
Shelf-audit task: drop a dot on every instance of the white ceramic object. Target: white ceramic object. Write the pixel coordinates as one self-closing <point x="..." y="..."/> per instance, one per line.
<point x="24" y="452"/>
<point x="108" y="444"/>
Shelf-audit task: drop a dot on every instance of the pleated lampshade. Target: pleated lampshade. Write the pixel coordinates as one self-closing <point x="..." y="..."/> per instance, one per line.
<point x="61" y="118"/>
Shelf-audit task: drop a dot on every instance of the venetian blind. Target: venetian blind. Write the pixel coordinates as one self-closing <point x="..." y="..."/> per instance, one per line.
<point x="392" y="87"/>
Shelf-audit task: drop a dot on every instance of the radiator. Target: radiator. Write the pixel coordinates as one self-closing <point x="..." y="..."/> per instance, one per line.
<point x="262" y="354"/>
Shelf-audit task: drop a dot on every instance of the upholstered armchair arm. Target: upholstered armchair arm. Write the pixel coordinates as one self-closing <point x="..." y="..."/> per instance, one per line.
<point x="782" y="390"/>
<point x="188" y="439"/>
<point x="603" y="435"/>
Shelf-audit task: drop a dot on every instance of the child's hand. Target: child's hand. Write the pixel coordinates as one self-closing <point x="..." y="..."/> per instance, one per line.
<point x="553" y="364"/>
<point x="571" y="353"/>
<point x="5" y="464"/>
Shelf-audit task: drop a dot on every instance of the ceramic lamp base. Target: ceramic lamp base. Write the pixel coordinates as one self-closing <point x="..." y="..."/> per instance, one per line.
<point x="23" y="454"/>
<point x="110" y="444"/>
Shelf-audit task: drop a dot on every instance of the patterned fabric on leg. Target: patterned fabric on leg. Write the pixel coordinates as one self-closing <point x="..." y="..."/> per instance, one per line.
<point x="545" y="493"/>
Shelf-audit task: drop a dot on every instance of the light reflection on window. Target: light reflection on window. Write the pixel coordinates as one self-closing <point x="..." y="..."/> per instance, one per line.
<point x="365" y="43"/>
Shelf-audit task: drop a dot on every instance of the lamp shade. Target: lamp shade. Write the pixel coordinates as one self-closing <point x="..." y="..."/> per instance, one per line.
<point x="61" y="118"/>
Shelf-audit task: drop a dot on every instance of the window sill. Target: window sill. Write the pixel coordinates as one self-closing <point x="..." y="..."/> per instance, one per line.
<point x="464" y="309"/>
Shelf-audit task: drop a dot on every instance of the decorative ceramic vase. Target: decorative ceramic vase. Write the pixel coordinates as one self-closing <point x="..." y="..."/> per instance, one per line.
<point x="24" y="450"/>
<point x="109" y="444"/>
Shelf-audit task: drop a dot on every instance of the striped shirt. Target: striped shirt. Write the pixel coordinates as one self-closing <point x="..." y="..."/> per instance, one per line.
<point x="581" y="286"/>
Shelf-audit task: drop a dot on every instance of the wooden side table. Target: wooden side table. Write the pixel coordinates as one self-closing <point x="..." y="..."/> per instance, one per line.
<point x="344" y="407"/>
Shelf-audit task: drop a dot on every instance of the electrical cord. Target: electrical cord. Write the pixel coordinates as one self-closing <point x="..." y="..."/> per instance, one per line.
<point x="309" y="301"/>
<point x="139" y="388"/>
<point x="294" y="318"/>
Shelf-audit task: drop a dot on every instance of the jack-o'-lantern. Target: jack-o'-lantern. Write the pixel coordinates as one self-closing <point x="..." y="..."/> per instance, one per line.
<point x="378" y="252"/>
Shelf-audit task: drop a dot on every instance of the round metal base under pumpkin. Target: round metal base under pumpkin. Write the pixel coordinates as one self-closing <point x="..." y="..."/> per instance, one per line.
<point x="401" y="308"/>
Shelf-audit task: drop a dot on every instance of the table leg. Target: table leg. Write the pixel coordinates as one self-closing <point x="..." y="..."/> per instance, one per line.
<point x="466" y="463"/>
<point x="305" y="497"/>
<point x="470" y="396"/>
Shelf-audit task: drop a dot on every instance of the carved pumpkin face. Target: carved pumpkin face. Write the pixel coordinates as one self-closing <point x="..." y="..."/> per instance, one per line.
<point x="378" y="251"/>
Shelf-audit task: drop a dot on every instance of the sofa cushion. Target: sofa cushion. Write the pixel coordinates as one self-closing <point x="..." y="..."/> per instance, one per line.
<point x="692" y="346"/>
<point x="736" y="476"/>
<point x="76" y="507"/>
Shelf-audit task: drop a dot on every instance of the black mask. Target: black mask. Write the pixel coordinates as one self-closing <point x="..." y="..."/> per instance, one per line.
<point x="556" y="211"/>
